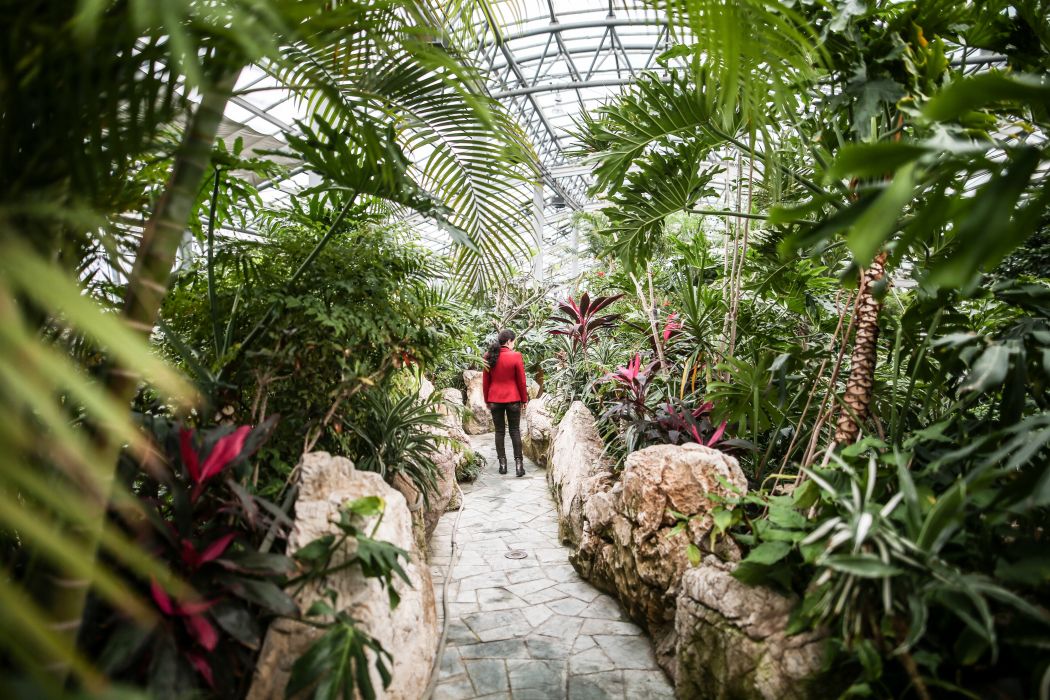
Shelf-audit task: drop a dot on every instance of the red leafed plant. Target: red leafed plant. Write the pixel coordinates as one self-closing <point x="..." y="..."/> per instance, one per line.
<point x="582" y="320"/>
<point x="207" y="527"/>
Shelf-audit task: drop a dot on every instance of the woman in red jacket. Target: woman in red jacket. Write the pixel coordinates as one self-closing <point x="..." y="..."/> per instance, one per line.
<point x="505" y="393"/>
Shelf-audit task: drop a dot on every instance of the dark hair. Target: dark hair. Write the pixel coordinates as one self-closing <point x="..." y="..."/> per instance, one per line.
<point x="492" y="354"/>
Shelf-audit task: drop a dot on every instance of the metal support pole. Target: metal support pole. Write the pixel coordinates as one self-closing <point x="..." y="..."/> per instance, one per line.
<point x="537" y="211"/>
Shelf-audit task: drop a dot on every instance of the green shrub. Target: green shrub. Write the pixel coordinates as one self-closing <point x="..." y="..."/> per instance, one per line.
<point x="472" y="465"/>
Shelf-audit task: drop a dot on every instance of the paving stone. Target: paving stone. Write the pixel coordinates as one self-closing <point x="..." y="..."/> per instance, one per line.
<point x="567" y="606"/>
<point x="484" y="621"/>
<point x="545" y="595"/>
<point x="552" y="692"/>
<point x="535" y="673"/>
<point x="564" y="572"/>
<point x="489" y="579"/>
<point x="488" y="675"/>
<point x="590" y="661"/>
<point x="503" y="649"/>
<point x="597" y="686"/>
<point x="566" y="626"/>
<point x="598" y="626"/>
<point x="629" y="652"/>
<point x="647" y="684"/>
<point x="532" y="586"/>
<point x="529" y="629"/>
<point x="604" y="608"/>
<point x="459" y="633"/>
<point x="544" y="647"/>
<point x="582" y="591"/>
<point x="499" y="599"/>
<point x="530" y="573"/>
<point x="451" y="664"/>
<point x="455" y="689"/>
<point x="536" y="614"/>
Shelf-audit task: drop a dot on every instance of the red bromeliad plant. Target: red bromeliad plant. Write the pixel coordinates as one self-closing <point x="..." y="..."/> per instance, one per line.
<point x="672" y="421"/>
<point x="582" y="319"/>
<point x="207" y="527"/>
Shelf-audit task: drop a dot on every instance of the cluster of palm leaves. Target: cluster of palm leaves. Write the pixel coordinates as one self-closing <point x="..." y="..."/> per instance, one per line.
<point x="109" y="112"/>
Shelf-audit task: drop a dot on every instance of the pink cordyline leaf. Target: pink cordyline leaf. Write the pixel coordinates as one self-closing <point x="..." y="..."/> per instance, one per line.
<point x="216" y="548"/>
<point x="189" y="454"/>
<point x="717" y="435"/>
<point x="224" y="452"/>
<point x="202" y="666"/>
<point x="202" y="630"/>
<point x="671" y="326"/>
<point x="213" y="551"/>
<point x="161" y="598"/>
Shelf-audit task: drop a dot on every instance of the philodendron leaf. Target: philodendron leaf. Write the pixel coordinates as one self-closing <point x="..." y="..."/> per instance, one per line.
<point x="987" y="88"/>
<point x="879" y="220"/>
<point x="768" y="553"/>
<point x="989" y="371"/>
<point x="873" y="160"/>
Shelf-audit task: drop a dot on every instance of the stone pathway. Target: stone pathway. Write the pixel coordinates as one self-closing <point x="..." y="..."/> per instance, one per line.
<point x="529" y="628"/>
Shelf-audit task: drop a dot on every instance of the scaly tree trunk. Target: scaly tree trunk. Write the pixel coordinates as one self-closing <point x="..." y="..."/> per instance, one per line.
<point x="147" y="287"/>
<point x="857" y="398"/>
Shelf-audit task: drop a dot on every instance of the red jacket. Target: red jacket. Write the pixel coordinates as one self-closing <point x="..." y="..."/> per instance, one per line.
<point x="505" y="383"/>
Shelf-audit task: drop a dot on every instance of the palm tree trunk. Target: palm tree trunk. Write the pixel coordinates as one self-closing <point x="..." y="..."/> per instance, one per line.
<point x="857" y="399"/>
<point x="147" y="287"/>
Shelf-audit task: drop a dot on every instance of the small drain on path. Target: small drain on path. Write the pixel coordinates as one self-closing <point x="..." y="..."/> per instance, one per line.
<point x="516" y="554"/>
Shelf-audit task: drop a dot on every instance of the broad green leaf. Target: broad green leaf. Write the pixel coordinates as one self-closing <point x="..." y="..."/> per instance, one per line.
<point x="875" y="160"/>
<point x="943" y="519"/>
<point x="989" y="371"/>
<point x="878" y="221"/>
<point x="366" y="506"/>
<point x="768" y="553"/>
<point x="985" y="89"/>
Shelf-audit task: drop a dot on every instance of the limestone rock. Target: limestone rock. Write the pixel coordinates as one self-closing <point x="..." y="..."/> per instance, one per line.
<point x="451" y="407"/>
<point x="536" y="433"/>
<point x="479" y="419"/>
<point x="408" y="632"/>
<point x="676" y="477"/>
<point x="577" y="469"/>
<point x="732" y="641"/>
<point x="629" y="550"/>
<point x="532" y="387"/>
<point x="426" y="388"/>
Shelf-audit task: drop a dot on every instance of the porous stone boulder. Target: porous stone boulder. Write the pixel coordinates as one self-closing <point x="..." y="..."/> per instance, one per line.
<point x="629" y="546"/>
<point x="532" y="387"/>
<point x="409" y="632"/>
<point x="536" y="435"/>
<point x="451" y="408"/>
<point x="577" y="469"/>
<point x="426" y="388"/>
<point x="732" y="642"/>
<point x="478" y="419"/>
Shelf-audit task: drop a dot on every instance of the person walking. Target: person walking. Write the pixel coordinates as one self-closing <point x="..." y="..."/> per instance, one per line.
<point x="503" y="383"/>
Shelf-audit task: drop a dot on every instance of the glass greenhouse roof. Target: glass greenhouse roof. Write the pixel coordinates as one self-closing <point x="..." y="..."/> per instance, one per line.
<point x="547" y="62"/>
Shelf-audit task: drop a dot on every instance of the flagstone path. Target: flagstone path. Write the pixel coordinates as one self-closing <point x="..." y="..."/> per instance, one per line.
<point x="522" y="629"/>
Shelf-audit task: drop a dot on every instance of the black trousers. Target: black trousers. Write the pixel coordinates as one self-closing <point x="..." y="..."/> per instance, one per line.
<point x="502" y="415"/>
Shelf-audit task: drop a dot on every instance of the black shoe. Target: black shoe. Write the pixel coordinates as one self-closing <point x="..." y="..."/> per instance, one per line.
<point x="502" y="465"/>
<point x="519" y="468"/>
